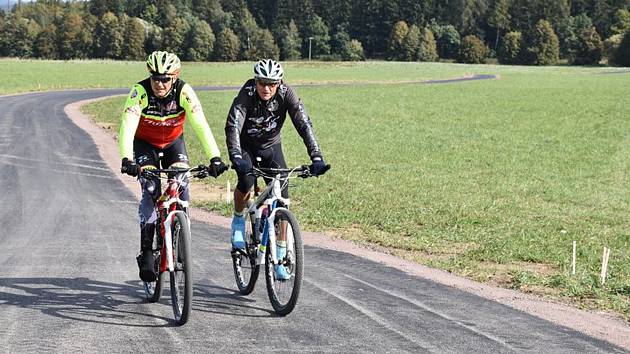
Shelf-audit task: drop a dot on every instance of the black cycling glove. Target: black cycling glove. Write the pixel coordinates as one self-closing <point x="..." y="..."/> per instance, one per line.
<point x="129" y="167"/>
<point x="242" y="166"/>
<point x="318" y="167"/>
<point x="216" y="167"/>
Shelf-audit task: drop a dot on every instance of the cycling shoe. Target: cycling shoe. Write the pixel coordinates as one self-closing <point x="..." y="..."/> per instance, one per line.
<point x="146" y="263"/>
<point x="238" y="232"/>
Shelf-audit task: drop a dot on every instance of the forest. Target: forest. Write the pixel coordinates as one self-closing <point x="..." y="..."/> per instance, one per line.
<point x="528" y="32"/>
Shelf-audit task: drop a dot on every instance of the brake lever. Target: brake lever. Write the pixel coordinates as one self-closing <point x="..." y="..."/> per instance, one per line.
<point x="202" y="174"/>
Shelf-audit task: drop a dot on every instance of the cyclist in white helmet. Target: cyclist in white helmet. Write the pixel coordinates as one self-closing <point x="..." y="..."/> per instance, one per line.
<point x="152" y="136"/>
<point x="253" y="129"/>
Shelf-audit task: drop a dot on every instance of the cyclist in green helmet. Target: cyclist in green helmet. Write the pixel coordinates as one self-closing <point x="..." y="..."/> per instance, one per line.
<point x="152" y="136"/>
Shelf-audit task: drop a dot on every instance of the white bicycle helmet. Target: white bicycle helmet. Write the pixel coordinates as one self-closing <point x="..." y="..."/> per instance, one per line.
<point x="163" y="63"/>
<point x="268" y="70"/>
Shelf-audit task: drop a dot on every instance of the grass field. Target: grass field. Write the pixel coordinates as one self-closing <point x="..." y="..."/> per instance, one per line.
<point x="492" y="180"/>
<point x="39" y="75"/>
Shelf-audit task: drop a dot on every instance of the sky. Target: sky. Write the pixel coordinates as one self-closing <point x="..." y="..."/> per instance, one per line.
<point x="4" y="4"/>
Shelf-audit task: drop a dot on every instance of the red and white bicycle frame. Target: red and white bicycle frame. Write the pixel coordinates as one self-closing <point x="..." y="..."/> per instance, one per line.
<point x="167" y="208"/>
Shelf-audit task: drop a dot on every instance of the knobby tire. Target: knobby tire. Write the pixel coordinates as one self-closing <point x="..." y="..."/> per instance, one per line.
<point x="181" y="296"/>
<point x="283" y="294"/>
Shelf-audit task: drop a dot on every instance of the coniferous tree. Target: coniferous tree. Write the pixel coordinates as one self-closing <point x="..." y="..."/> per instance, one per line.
<point x="509" y="50"/>
<point x="150" y="14"/>
<point x="611" y="44"/>
<point x="427" y="49"/>
<point x="622" y="54"/>
<point x="99" y="7"/>
<point x="20" y="33"/>
<point x="541" y="46"/>
<point x="499" y="18"/>
<point x="568" y="31"/>
<point x="174" y="36"/>
<point x="227" y="46"/>
<point x="2" y="34"/>
<point x="200" y="43"/>
<point x="415" y="11"/>
<point x="262" y="45"/>
<point x="472" y="50"/>
<point x="447" y="40"/>
<point x="339" y="41"/>
<point x="353" y="51"/>
<point x="134" y="40"/>
<point x="212" y="12"/>
<point x="621" y="22"/>
<point x="75" y="35"/>
<point x="264" y="11"/>
<point x="472" y="12"/>
<point x="397" y="36"/>
<point x="45" y="45"/>
<point x="411" y="43"/>
<point x="154" y="38"/>
<point x="320" y="42"/>
<point x="589" y="48"/>
<point x="136" y="8"/>
<point x="291" y="43"/>
<point x="246" y="29"/>
<point x="108" y="37"/>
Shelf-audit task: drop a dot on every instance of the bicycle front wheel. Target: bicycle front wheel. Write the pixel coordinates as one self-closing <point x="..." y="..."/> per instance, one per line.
<point x="181" y="276"/>
<point x="284" y="293"/>
<point x="244" y="263"/>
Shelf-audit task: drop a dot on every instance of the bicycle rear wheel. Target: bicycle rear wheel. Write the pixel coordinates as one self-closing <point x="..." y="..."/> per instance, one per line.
<point x="283" y="294"/>
<point x="181" y="276"/>
<point x="244" y="263"/>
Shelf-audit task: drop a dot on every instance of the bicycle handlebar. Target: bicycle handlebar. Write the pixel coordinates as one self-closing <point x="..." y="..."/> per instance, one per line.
<point x="201" y="171"/>
<point x="303" y="171"/>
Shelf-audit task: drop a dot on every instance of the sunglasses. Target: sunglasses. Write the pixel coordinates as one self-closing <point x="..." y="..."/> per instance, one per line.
<point x="266" y="83"/>
<point x="161" y="79"/>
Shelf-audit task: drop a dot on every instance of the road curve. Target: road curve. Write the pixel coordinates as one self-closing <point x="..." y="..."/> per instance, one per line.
<point x="69" y="280"/>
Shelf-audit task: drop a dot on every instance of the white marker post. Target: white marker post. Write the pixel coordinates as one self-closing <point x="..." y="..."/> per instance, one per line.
<point x="227" y="194"/>
<point x="605" y="257"/>
<point x="573" y="262"/>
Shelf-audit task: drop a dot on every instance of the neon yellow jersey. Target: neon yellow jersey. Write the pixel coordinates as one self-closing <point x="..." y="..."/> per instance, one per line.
<point x="161" y="121"/>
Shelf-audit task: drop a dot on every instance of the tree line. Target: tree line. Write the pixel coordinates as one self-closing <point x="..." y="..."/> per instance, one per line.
<point x="536" y="32"/>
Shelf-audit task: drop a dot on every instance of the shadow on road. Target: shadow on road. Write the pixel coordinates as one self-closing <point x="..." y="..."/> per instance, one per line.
<point x="220" y="300"/>
<point x="81" y="299"/>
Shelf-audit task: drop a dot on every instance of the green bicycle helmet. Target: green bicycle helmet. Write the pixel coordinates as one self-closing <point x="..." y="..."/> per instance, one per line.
<point x="161" y="63"/>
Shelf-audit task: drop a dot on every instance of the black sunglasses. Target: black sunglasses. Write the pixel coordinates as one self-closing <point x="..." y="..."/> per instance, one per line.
<point x="267" y="83"/>
<point x="162" y="79"/>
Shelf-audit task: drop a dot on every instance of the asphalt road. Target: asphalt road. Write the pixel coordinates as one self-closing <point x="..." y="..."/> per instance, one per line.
<point x="68" y="280"/>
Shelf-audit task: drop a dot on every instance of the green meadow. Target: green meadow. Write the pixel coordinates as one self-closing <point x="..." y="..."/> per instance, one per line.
<point x="492" y="179"/>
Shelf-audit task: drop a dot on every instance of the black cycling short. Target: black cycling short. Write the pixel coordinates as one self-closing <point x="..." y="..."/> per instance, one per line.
<point x="147" y="154"/>
<point x="271" y="157"/>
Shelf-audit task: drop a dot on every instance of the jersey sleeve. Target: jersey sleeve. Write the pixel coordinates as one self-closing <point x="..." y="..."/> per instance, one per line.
<point x="235" y="121"/>
<point x="136" y="101"/>
<point x="198" y="122"/>
<point x="302" y="123"/>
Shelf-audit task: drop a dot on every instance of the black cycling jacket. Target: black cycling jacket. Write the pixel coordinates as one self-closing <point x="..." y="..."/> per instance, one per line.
<point x="256" y="123"/>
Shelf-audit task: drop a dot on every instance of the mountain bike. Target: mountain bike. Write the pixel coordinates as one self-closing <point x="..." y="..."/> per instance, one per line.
<point x="172" y="240"/>
<point x="267" y="217"/>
